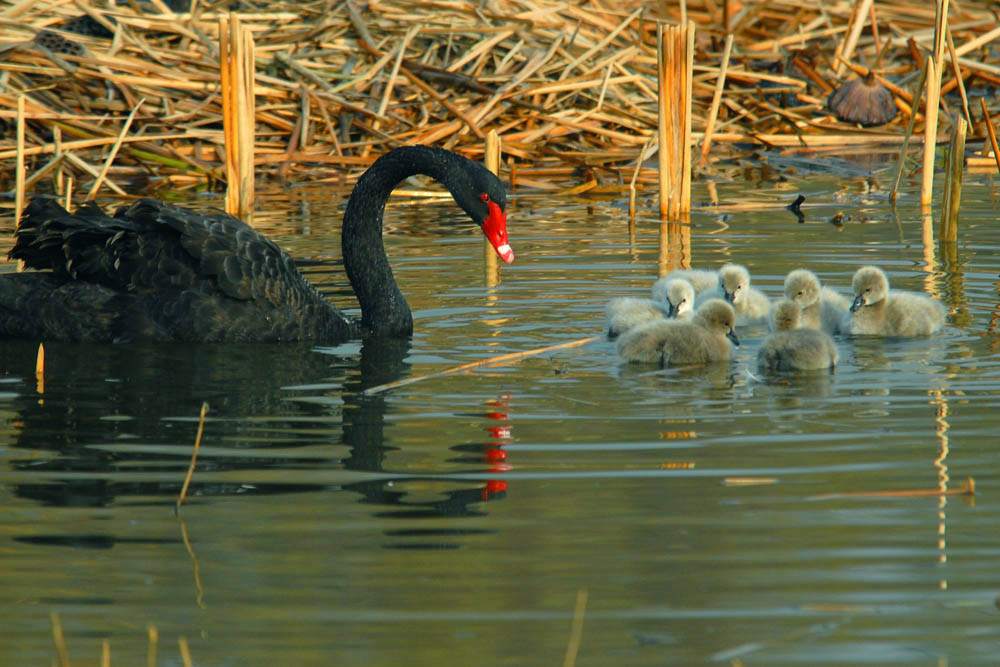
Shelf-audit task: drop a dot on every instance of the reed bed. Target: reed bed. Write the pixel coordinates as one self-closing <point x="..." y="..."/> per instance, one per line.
<point x="570" y="88"/>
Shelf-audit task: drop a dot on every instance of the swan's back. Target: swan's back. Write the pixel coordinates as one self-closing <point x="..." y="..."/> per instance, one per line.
<point x="156" y="271"/>
<point x="699" y="279"/>
<point x="793" y="346"/>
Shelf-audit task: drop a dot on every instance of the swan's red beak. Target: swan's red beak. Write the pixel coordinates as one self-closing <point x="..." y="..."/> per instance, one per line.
<point x="495" y="228"/>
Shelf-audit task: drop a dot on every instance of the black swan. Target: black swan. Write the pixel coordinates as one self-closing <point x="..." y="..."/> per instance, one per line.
<point x="155" y="271"/>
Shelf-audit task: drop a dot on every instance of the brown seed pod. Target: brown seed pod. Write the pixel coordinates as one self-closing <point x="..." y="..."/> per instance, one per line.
<point x="864" y="101"/>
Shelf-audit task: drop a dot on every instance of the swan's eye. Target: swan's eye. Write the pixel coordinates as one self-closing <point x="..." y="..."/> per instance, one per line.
<point x="485" y="197"/>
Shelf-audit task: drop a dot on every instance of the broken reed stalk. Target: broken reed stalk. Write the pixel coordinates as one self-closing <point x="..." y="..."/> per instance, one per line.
<point x="154" y="638"/>
<point x="194" y="456"/>
<point x="576" y="629"/>
<point x="635" y="175"/>
<point x="114" y="152"/>
<point x="40" y="369"/>
<point x="713" y="112"/>
<point x="991" y="131"/>
<point x="105" y="653"/>
<point x="182" y="643"/>
<point x="930" y="131"/>
<point x="909" y="132"/>
<point x="953" y="184"/>
<point x="60" y="641"/>
<point x="502" y="359"/>
<point x="236" y="66"/>
<point x="675" y="63"/>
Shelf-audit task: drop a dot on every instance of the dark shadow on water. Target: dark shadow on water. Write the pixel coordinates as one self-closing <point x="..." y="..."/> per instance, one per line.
<point x="97" y="398"/>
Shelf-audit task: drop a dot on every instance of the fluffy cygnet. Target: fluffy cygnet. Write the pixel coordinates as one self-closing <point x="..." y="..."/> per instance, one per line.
<point x="699" y="279"/>
<point x="877" y="311"/>
<point x="822" y="308"/>
<point x="624" y="313"/>
<point x="706" y="338"/>
<point x="733" y="285"/>
<point x="792" y="346"/>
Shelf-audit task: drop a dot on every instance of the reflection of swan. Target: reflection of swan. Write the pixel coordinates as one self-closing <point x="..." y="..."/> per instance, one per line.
<point x="878" y="312"/>
<point x="624" y="313"/>
<point x="793" y="348"/>
<point x="707" y="337"/>
<point x="822" y="308"/>
<point x="159" y="272"/>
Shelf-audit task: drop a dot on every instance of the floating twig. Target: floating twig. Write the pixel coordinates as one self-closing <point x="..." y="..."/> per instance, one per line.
<point x="194" y="456"/>
<point x="492" y="361"/>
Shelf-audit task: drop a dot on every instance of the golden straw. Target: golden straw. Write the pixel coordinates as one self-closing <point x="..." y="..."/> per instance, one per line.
<point x="503" y="358"/>
<point x="992" y="132"/>
<point x="194" y="455"/>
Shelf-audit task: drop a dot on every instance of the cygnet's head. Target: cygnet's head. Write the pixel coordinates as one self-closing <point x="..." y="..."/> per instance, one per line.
<point x="718" y="317"/>
<point x="680" y="298"/>
<point x="785" y="315"/>
<point x="734" y="279"/>
<point x="802" y="287"/>
<point x="870" y="286"/>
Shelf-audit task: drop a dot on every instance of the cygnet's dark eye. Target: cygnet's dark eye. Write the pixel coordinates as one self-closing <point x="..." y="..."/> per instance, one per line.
<point x="485" y="197"/>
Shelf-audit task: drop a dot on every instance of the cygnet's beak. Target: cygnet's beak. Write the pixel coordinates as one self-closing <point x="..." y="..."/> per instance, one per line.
<point x="858" y="302"/>
<point x="732" y="336"/>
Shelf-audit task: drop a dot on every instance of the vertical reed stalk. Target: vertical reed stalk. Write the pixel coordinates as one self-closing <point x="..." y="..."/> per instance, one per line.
<point x="491" y="159"/>
<point x="663" y="157"/>
<point x="953" y="183"/>
<point x="19" y="163"/>
<point x="930" y="131"/>
<point x="909" y="132"/>
<point x="675" y="61"/>
<point x="720" y="83"/>
<point x="236" y="56"/>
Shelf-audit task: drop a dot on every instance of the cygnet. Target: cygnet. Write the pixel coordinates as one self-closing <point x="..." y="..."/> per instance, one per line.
<point x="792" y="346"/>
<point x="877" y="311"/>
<point x="822" y="307"/>
<point x="624" y="313"/>
<point x="708" y="337"/>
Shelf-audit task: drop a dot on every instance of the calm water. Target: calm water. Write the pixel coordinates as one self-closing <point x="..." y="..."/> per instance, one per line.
<point x="456" y="520"/>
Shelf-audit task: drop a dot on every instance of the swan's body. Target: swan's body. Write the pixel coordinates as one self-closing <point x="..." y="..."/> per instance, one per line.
<point x="733" y="285"/>
<point x="624" y="313"/>
<point x="156" y="271"/>
<point x="877" y="311"/>
<point x="822" y="307"/>
<point x="708" y="337"/>
<point x="792" y="346"/>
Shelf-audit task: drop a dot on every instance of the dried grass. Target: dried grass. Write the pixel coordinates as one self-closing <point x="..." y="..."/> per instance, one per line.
<point x="569" y="87"/>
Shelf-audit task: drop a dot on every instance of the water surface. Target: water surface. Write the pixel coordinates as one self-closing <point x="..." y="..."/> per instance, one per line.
<point x="707" y="515"/>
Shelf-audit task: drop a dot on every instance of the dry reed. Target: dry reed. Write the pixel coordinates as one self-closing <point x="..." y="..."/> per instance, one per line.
<point x="569" y="88"/>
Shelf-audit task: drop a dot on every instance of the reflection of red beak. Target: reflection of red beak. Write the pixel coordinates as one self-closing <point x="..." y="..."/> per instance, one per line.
<point x="495" y="228"/>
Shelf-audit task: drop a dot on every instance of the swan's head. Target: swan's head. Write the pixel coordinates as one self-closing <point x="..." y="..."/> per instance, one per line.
<point x="734" y="280"/>
<point x="802" y="287"/>
<point x="679" y="298"/>
<point x="718" y="317"/>
<point x="482" y="197"/>
<point x="786" y="315"/>
<point x="870" y="286"/>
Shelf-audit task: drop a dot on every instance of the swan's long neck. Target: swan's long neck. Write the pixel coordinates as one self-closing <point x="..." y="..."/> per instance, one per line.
<point x="384" y="311"/>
